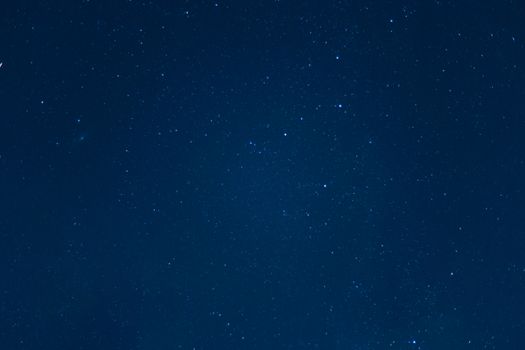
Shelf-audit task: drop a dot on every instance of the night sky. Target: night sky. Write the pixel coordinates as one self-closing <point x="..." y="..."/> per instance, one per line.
<point x="262" y="175"/>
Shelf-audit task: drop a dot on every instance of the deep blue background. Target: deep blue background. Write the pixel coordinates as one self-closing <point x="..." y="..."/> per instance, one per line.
<point x="262" y="175"/>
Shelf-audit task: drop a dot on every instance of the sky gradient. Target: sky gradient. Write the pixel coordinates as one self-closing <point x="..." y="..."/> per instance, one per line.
<point x="262" y="175"/>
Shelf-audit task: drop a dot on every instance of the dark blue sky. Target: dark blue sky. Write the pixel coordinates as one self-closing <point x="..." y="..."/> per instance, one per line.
<point x="262" y="175"/>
